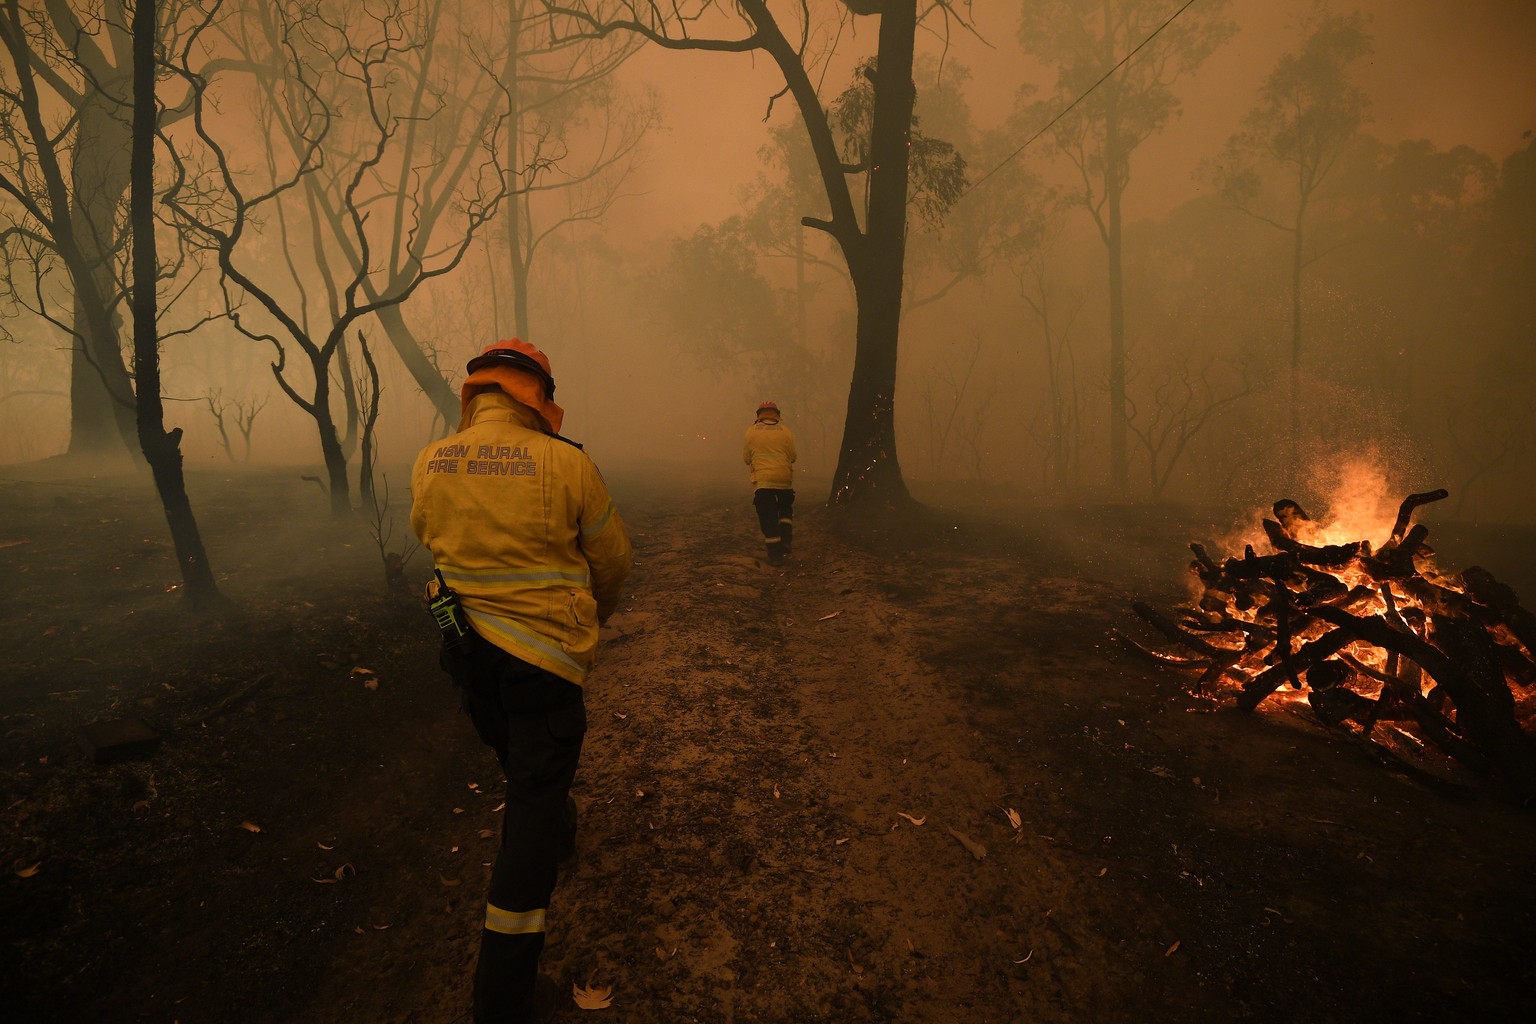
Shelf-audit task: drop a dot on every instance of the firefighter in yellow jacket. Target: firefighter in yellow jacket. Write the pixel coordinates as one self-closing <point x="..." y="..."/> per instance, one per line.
<point x="769" y="449"/>
<point x="522" y="528"/>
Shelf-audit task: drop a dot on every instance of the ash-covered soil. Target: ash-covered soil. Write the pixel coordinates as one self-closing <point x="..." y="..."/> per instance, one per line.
<point x="795" y="792"/>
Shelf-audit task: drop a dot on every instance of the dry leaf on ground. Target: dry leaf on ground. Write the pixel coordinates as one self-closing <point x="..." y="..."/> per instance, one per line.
<point x="29" y="871"/>
<point x="594" y="998"/>
<point x="830" y="615"/>
<point x="251" y="826"/>
<point x="976" y="849"/>
<point x="337" y="875"/>
<point x="915" y="821"/>
<point x="1173" y="948"/>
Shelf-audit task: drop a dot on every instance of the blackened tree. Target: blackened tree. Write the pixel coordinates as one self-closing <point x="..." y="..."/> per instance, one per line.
<point x="161" y="447"/>
<point x="873" y="239"/>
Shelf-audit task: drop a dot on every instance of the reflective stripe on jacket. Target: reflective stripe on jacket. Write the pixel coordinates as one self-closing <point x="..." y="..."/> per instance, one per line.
<point x="770" y="450"/>
<point x="523" y="528"/>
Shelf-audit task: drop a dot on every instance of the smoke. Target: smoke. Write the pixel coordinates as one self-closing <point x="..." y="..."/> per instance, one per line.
<point x="1361" y="503"/>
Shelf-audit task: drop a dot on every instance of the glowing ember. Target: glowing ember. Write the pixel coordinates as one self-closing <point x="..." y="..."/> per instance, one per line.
<point x="1375" y="639"/>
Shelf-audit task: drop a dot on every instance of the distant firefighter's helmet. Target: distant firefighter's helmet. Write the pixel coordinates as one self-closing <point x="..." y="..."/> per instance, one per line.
<point x="768" y="407"/>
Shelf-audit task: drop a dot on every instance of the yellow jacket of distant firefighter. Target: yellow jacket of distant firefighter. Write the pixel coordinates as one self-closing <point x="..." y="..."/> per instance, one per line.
<point x="769" y="449"/>
<point x="522" y="526"/>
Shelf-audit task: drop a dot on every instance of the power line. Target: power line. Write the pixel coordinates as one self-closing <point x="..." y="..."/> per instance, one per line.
<point x="1106" y="76"/>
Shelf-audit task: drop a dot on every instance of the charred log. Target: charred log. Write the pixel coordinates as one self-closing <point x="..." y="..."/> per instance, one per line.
<point x="1278" y="538"/>
<point x="1270" y="680"/>
<point x="1255" y="567"/>
<point x="1203" y="560"/>
<point x="1334" y="706"/>
<point x="1370" y="637"/>
<point x="1413" y="501"/>
<point x="1174" y="632"/>
<point x="1461" y="661"/>
<point x="1503" y="604"/>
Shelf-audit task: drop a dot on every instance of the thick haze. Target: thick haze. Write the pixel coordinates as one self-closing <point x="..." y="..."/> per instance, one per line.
<point x="1205" y="288"/>
<point x="1454" y="73"/>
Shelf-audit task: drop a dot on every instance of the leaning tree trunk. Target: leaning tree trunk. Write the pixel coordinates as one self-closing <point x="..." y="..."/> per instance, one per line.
<point x="101" y="395"/>
<point x="161" y="449"/>
<point x="94" y="427"/>
<point x="867" y="467"/>
<point x="422" y="370"/>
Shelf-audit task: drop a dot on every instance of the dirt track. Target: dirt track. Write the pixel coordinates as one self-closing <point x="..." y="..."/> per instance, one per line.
<point x="761" y="742"/>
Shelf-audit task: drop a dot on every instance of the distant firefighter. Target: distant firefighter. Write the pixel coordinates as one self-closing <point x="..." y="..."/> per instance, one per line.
<point x="770" y="450"/>
<point x="531" y="556"/>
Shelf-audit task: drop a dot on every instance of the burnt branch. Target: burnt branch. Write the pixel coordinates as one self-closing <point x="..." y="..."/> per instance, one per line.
<point x="1367" y="638"/>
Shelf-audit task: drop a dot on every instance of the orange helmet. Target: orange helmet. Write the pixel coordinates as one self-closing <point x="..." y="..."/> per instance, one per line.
<point x="521" y="371"/>
<point x="767" y="407"/>
<point x="519" y="355"/>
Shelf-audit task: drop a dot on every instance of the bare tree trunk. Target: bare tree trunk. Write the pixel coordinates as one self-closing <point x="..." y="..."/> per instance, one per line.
<point x="867" y="466"/>
<point x="331" y="450"/>
<point x="802" y="306"/>
<point x="1114" y="186"/>
<point x="101" y="396"/>
<point x="367" y="455"/>
<point x="517" y="210"/>
<point x="1293" y="455"/>
<point x="162" y="449"/>
<point x="93" y="412"/>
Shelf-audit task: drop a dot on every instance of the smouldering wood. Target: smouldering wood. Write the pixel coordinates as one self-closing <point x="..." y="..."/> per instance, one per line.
<point x="1369" y="637"/>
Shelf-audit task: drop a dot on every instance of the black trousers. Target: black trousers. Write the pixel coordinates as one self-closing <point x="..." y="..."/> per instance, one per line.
<point x="776" y="515"/>
<point x="535" y="722"/>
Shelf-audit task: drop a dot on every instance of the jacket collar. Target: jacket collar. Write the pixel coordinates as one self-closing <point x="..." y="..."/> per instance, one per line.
<point x="498" y="407"/>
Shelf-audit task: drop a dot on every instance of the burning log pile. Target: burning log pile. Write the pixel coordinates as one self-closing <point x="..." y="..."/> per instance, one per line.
<point x="1375" y="640"/>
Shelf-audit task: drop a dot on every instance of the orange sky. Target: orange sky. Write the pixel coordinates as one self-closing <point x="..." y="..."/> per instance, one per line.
<point x="1454" y="71"/>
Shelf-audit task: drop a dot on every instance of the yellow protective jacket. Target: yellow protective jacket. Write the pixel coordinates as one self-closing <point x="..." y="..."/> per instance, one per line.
<point x="523" y="528"/>
<point x="770" y="450"/>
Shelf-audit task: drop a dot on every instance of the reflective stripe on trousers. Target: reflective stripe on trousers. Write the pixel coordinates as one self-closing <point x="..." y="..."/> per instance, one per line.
<point x="535" y="721"/>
